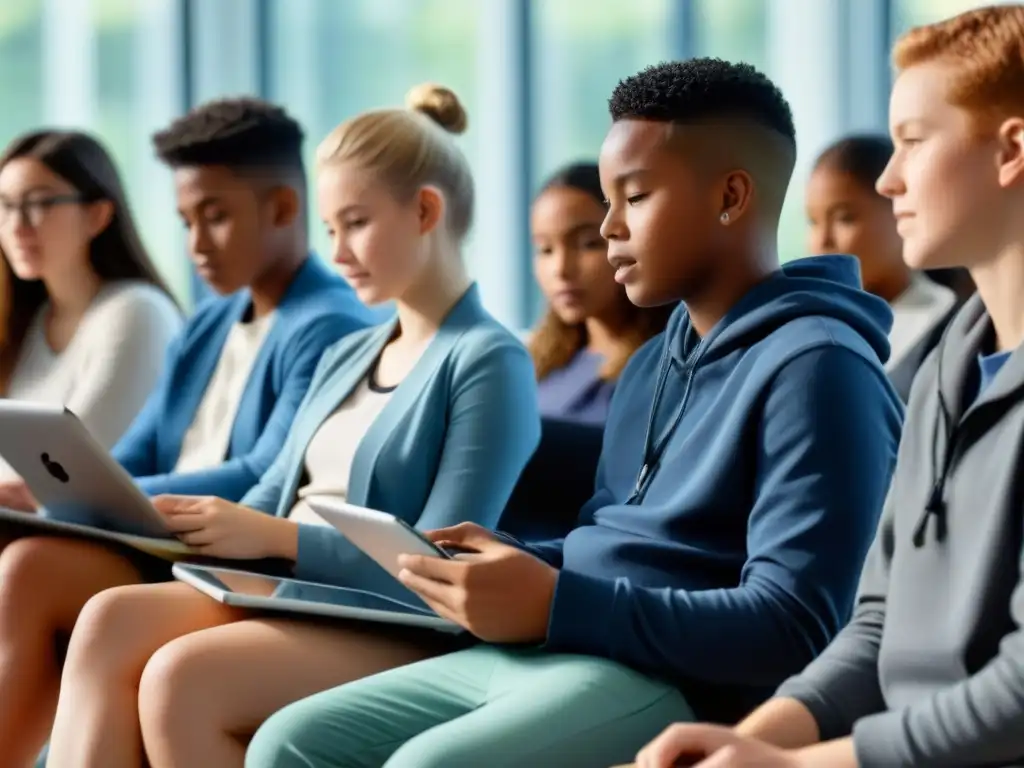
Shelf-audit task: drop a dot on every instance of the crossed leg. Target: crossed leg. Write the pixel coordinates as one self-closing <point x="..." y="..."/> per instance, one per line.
<point x="203" y="696"/>
<point x="164" y="672"/>
<point x="97" y="721"/>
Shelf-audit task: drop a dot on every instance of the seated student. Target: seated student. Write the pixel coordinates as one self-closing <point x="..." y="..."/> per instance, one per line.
<point x="928" y="672"/>
<point x="847" y="215"/>
<point x="85" y="318"/>
<point x="430" y="417"/>
<point x="745" y="460"/>
<point x="590" y="329"/>
<point x="229" y="392"/>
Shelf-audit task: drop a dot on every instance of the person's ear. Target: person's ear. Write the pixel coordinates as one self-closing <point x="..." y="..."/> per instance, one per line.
<point x="737" y="191"/>
<point x="286" y="206"/>
<point x="100" y="214"/>
<point x="430" y="207"/>
<point x="1011" y="152"/>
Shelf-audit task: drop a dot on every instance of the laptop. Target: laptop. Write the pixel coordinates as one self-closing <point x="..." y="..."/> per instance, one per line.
<point x="281" y="595"/>
<point x="79" y="486"/>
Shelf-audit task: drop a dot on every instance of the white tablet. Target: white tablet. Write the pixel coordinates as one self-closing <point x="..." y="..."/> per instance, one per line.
<point x="70" y="473"/>
<point x="381" y="536"/>
<point x="272" y="593"/>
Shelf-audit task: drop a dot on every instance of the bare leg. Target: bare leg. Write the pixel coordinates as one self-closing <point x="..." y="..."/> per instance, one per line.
<point x="97" y="722"/>
<point x="203" y="696"/>
<point x="44" y="582"/>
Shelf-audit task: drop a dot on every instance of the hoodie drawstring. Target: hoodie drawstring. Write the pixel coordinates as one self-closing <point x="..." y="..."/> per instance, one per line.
<point x="652" y="453"/>
<point x="936" y="505"/>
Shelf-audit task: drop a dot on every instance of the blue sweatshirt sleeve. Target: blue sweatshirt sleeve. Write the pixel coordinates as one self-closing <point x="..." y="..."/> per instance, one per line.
<point x="825" y="450"/>
<point x="233" y="479"/>
<point x="493" y="429"/>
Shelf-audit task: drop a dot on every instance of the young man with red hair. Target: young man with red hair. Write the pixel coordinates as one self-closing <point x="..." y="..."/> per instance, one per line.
<point x="931" y="669"/>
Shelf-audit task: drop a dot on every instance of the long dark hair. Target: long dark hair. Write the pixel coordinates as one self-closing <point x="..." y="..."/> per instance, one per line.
<point x="554" y="343"/>
<point x="115" y="254"/>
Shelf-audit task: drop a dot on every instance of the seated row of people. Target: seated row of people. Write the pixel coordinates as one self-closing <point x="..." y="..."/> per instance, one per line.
<point x="724" y="432"/>
<point x="747" y="453"/>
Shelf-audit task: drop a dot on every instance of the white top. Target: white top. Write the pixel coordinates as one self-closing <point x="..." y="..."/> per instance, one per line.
<point x="915" y="312"/>
<point x="206" y="441"/>
<point x="109" y="368"/>
<point x="330" y="453"/>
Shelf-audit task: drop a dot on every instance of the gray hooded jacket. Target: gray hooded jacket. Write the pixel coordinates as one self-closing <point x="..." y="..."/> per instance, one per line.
<point x="930" y="671"/>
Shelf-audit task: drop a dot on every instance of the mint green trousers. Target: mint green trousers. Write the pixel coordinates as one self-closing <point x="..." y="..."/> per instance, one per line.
<point x="482" y="707"/>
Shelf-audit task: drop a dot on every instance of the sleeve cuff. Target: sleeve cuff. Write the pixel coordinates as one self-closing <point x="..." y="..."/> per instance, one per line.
<point x="830" y="720"/>
<point x="581" y="614"/>
<point x="880" y="741"/>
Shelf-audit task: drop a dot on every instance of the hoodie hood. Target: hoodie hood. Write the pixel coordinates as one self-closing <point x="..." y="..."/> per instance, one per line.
<point x="823" y="286"/>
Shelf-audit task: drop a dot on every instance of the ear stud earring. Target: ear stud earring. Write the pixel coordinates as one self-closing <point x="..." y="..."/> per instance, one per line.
<point x="724" y="218"/>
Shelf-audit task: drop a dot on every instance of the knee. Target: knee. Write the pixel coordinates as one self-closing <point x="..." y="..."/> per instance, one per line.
<point x="26" y="573"/>
<point x="102" y="639"/>
<point x="287" y="739"/>
<point x="176" y="681"/>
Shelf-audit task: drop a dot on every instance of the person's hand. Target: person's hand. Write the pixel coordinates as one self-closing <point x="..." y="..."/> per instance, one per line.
<point x="218" y="528"/>
<point x="712" y="746"/>
<point x="14" y="494"/>
<point x="498" y="592"/>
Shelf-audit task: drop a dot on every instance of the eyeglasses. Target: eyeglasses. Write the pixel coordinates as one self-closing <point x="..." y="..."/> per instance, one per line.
<point x="33" y="211"/>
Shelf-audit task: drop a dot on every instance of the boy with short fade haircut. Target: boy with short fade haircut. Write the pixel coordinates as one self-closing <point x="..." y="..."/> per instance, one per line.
<point x="930" y="671"/>
<point x="745" y="461"/>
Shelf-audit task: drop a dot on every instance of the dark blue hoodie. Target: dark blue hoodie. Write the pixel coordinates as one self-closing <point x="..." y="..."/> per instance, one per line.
<point x="731" y="561"/>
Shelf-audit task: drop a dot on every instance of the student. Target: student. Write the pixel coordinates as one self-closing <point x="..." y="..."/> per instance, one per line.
<point x="84" y="316"/>
<point x="229" y="392"/>
<point x="238" y="373"/>
<point x="758" y="467"/>
<point x="847" y="215"/>
<point x="590" y="329"/>
<point x="928" y="672"/>
<point x="430" y="417"/>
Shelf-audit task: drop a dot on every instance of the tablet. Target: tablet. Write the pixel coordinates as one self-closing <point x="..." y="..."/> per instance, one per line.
<point x="73" y="477"/>
<point x="381" y="536"/>
<point x="271" y="593"/>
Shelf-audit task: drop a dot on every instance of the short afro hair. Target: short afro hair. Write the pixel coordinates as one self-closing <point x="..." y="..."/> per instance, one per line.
<point x="244" y="134"/>
<point x="701" y="89"/>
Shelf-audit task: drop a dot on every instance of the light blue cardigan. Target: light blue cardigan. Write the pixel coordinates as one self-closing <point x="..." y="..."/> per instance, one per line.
<point x="317" y="310"/>
<point x="448" y="446"/>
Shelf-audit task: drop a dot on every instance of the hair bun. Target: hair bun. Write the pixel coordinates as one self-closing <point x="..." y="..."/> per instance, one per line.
<point x="440" y="104"/>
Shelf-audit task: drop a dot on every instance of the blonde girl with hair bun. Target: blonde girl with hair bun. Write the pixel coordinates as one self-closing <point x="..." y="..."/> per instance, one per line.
<point x="430" y="417"/>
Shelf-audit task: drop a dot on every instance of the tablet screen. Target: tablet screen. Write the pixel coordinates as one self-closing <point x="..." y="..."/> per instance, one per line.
<point x="272" y="587"/>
